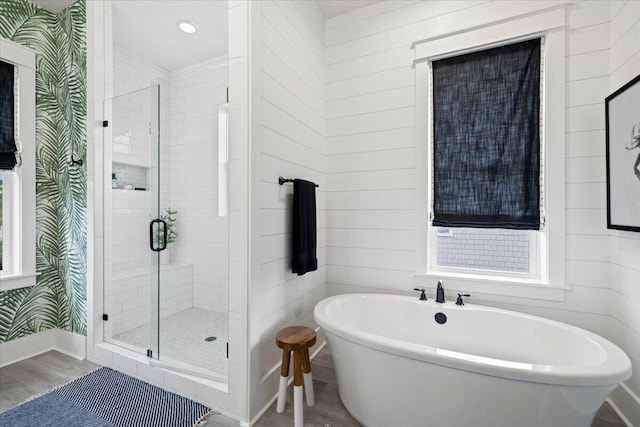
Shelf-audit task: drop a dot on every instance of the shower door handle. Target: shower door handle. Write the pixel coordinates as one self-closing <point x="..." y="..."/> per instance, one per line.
<point x="163" y="241"/>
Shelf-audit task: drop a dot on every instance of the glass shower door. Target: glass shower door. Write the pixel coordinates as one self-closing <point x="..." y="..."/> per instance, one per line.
<point x="135" y="234"/>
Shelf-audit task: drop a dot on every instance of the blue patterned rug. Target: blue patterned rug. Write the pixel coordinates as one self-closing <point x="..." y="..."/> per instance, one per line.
<point x="106" y="398"/>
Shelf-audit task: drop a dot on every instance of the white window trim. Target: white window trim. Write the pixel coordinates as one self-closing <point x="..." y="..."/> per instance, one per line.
<point x="549" y="23"/>
<point x="23" y="270"/>
<point x="8" y="224"/>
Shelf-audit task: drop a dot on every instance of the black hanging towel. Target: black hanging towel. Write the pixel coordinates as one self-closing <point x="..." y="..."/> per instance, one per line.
<point x="303" y="257"/>
<point x="7" y="117"/>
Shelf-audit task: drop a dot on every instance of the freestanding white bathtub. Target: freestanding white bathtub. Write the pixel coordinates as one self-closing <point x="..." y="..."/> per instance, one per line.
<point x="397" y="367"/>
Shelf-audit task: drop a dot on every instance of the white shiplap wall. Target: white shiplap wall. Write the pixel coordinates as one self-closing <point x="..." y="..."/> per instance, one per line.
<point x="624" y="247"/>
<point x="371" y="165"/>
<point x="288" y="139"/>
<point x="367" y="167"/>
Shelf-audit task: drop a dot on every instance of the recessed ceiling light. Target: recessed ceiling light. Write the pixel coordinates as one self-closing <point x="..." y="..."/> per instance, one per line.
<point x="187" y="26"/>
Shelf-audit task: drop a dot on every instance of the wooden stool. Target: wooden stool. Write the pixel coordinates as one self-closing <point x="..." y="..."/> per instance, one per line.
<point x="296" y="339"/>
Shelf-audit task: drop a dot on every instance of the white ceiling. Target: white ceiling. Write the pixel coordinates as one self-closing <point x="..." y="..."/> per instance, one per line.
<point x="330" y="8"/>
<point x="148" y="27"/>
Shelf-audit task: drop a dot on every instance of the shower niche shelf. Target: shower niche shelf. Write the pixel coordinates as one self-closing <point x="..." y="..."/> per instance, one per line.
<point x="131" y="175"/>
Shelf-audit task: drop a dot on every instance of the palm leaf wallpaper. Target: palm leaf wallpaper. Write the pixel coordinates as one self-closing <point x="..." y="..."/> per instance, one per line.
<point x="58" y="300"/>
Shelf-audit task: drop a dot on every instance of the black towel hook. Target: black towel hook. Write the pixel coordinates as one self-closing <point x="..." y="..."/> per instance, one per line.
<point x="282" y="180"/>
<point x="74" y="162"/>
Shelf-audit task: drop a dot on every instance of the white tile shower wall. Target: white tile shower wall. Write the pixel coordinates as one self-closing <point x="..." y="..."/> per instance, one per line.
<point x="131" y="126"/>
<point x="131" y="76"/>
<point x="196" y="93"/>
<point x="131" y="212"/>
<point x="624" y="247"/>
<point x="371" y="149"/>
<point x="128" y="299"/>
<point x="130" y="175"/>
<point x="289" y="135"/>
<point x="132" y="304"/>
<point x="135" y="145"/>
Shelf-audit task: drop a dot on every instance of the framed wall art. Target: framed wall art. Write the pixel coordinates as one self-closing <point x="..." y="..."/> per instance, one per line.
<point x="622" y="109"/>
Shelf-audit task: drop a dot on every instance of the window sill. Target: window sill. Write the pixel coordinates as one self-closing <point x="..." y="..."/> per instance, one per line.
<point x="16" y="281"/>
<point x="491" y="287"/>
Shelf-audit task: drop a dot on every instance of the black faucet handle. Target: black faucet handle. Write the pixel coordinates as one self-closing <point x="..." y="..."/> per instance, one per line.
<point x="459" y="300"/>
<point x="423" y="296"/>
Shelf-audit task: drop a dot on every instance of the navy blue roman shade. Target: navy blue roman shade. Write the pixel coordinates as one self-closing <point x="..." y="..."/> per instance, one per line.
<point x="486" y="135"/>
<point x="7" y="117"/>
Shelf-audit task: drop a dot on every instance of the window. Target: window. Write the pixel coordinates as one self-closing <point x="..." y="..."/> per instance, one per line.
<point x="486" y="159"/>
<point x="17" y="187"/>
<point x="484" y="237"/>
<point x="9" y="223"/>
<point x="8" y="149"/>
<point x="5" y="222"/>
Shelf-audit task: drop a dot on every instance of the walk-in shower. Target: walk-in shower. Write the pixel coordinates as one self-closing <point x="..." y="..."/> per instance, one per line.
<point x="165" y="208"/>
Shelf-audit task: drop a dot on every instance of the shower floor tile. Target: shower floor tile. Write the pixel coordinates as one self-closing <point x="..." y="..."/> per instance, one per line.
<point x="182" y="339"/>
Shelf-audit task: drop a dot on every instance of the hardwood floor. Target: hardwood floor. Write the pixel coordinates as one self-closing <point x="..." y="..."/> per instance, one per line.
<point x="39" y="374"/>
<point x="42" y="373"/>
<point x="328" y="410"/>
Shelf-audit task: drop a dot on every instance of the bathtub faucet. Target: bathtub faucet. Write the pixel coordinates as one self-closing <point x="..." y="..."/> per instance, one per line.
<point x="440" y="292"/>
<point x="423" y="296"/>
<point x="459" y="301"/>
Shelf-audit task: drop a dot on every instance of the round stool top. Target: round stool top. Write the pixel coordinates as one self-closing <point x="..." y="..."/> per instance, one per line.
<point x="296" y="338"/>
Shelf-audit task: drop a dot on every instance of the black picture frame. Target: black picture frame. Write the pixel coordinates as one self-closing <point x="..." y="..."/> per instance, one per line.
<point x="622" y="124"/>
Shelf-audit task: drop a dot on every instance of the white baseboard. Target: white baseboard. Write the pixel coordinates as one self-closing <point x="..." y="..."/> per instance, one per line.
<point x="23" y="348"/>
<point x="626" y="404"/>
<point x="71" y="344"/>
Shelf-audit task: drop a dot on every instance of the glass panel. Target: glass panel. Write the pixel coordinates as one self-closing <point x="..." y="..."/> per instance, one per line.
<point x="194" y="284"/>
<point x="188" y="331"/>
<point x="132" y="203"/>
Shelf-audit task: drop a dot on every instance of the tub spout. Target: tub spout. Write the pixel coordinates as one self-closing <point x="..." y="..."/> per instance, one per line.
<point x="440" y="292"/>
